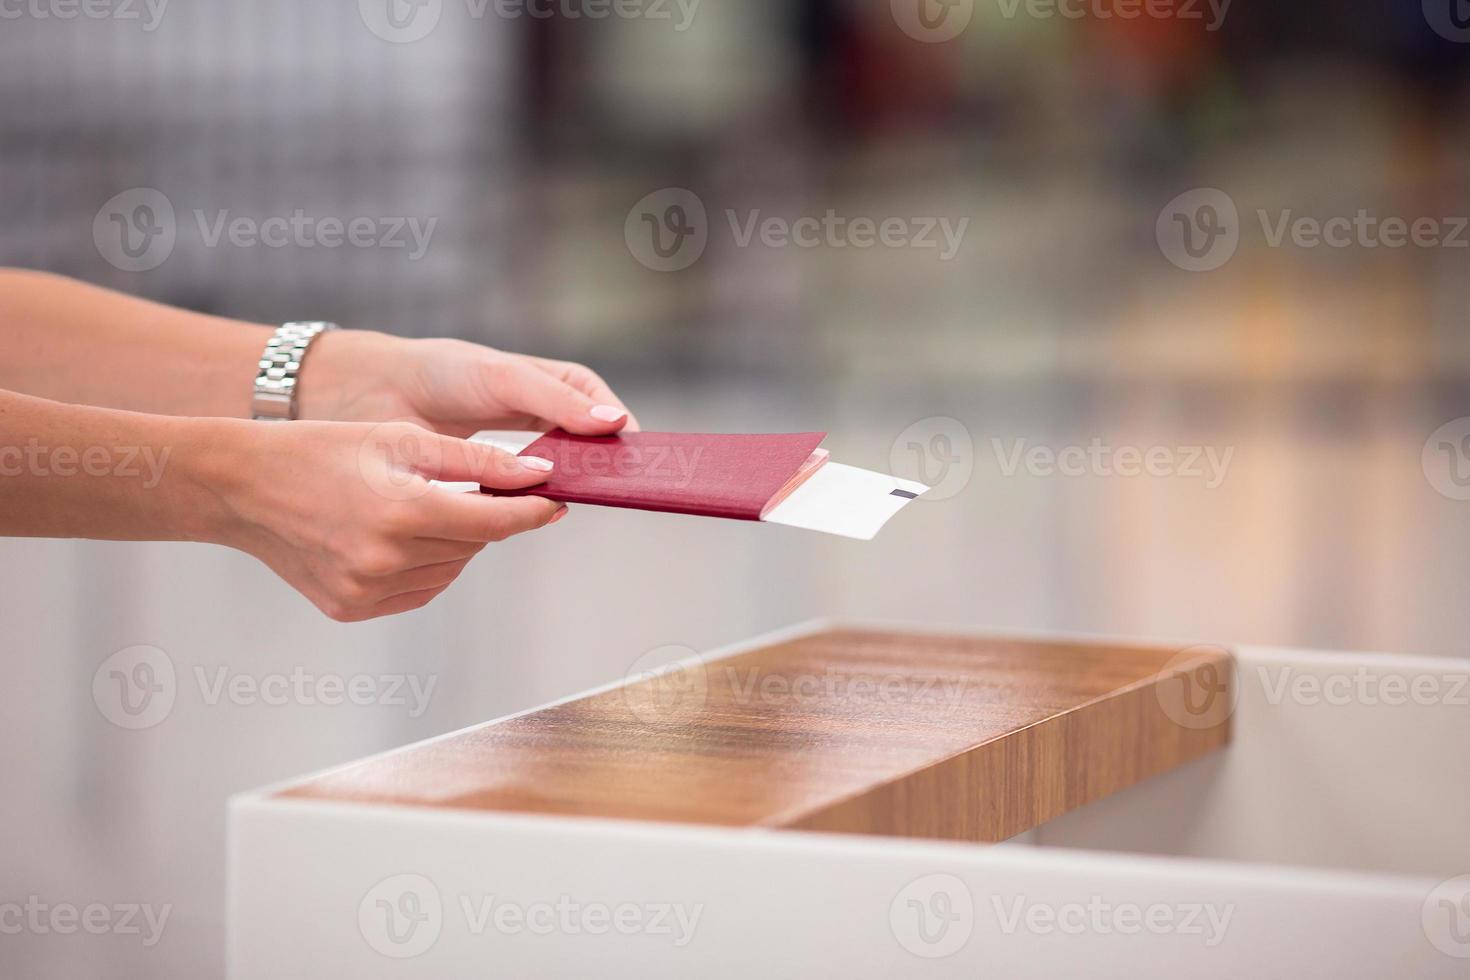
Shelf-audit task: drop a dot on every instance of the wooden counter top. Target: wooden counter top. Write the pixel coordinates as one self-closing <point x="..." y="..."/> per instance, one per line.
<point x="846" y="730"/>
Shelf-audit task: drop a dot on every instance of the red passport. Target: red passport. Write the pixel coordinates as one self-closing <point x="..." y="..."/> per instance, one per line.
<point x="735" y="476"/>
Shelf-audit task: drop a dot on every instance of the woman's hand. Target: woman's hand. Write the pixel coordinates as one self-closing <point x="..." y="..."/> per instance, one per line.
<point x="453" y="387"/>
<point x="344" y="512"/>
<point x="160" y="360"/>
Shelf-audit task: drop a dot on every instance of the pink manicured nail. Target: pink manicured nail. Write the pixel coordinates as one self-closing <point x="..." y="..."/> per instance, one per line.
<point x="536" y="463"/>
<point x="557" y="516"/>
<point x="608" y="413"/>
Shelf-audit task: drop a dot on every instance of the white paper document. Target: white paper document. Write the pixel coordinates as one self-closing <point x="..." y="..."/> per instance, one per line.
<point x="836" y="499"/>
<point x="845" y="500"/>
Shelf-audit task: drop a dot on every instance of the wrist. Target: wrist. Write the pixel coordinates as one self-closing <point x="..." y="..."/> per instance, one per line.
<point x="348" y="375"/>
<point x="217" y="460"/>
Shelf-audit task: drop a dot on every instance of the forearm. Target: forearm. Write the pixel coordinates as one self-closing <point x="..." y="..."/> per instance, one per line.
<point x="73" y="342"/>
<point x="344" y="512"/>
<point x="72" y="471"/>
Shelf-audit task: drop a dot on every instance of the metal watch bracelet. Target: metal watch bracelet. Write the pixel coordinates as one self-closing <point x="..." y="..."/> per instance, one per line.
<point x="280" y="370"/>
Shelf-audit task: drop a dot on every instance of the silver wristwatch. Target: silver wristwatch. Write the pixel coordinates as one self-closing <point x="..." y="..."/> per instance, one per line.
<point x="280" y="369"/>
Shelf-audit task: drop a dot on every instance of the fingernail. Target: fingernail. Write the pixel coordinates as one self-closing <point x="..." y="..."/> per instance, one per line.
<point x="557" y="516"/>
<point x="608" y="413"/>
<point x="536" y="463"/>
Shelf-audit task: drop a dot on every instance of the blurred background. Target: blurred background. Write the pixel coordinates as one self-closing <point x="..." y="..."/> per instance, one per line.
<point x="1131" y="270"/>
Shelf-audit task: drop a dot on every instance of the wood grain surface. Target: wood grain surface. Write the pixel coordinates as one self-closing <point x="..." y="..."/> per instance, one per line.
<point x="860" y="731"/>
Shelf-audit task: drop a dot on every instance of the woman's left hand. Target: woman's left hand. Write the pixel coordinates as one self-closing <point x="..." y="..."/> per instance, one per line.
<point x="453" y="387"/>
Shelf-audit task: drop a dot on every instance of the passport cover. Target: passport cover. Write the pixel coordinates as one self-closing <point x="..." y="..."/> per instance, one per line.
<point x="710" y="475"/>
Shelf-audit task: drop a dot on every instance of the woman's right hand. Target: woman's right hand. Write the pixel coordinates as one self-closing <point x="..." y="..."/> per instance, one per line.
<point x="345" y="513"/>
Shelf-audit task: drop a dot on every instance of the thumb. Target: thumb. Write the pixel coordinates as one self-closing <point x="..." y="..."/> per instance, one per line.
<point x="461" y="461"/>
<point x="535" y="392"/>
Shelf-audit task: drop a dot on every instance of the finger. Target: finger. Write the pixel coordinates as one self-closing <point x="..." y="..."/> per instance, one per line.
<point x="407" y="602"/>
<point x="482" y="517"/>
<point x="425" y="577"/>
<point x="588" y="382"/>
<point x="357" y="598"/>
<point x="435" y="551"/>
<point x="458" y="460"/>
<point x="527" y="387"/>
